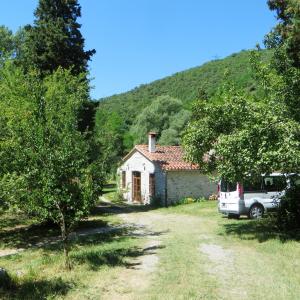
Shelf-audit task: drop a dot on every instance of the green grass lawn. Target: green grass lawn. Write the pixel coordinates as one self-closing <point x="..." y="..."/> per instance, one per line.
<point x="245" y="259"/>
<point x="109" y="191"/>
<point x="38" y="272"/>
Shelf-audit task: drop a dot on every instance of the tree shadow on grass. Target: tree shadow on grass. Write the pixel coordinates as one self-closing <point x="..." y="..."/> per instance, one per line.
<point x="40" y="235"/>
<point x="114" y="257"/>
<point x="115" y="234"/>
<point x="117" y="255"/>
<point x="26" y="237"/>
<point x="107" y="208"/>
<point x="9" y="220"/>
<point x="260" y="230"/>
<point x="37" y="289"/>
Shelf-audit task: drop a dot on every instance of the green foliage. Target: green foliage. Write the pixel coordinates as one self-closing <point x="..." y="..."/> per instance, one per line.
<point x="177" y="122"/>
<point x="6" y="43"/>
<point x="288" y="217"/>
<point x="55" y="39"/>
<point x="156" y="117"/>
<point x="287" y="32"/>
<point x="237" y="135"/>
<point x="109" y="137"/>
<point x="45" y="165"/>
<point x="186" y="86"/>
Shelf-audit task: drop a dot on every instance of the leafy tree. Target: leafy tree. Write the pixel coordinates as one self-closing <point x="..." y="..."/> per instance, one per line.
<point x="238" y="135"/>
<point x="109" y="135"/>
<point x="285" y="39"/>
<point x="155" y="117"/>
<point x="289" y="212"/>
<point x="45" y="166"/>
<point x="6" y="43"/>
<point x="55" y="39"/>
<point x="172" y="135"/>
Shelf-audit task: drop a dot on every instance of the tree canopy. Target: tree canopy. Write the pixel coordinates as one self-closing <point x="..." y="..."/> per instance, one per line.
<point x="55" y="39"/>
<point x="166" y="116"/>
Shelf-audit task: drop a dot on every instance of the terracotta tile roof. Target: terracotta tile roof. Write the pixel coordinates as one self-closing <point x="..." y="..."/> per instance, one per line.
<point x="169" y="157"/>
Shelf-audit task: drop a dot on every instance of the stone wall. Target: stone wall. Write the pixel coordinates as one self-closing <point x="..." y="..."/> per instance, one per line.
<point x="182" y="184"/>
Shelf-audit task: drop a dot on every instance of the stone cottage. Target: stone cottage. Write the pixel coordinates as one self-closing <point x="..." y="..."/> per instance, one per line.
<point x="153" y="172"/>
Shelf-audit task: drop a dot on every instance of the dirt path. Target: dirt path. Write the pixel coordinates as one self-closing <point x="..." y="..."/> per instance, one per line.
<point x="197" y="254"/>
<point x="135" y="279"/>
<point x="157" y="229"/>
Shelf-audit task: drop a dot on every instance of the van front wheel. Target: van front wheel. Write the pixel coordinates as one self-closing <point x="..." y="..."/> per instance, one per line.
<point x="256" y="211"/>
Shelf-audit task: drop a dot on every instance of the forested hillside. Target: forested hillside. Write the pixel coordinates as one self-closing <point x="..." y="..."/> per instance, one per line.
<point x="164" y="105"/>
<point x="185" y="85"/>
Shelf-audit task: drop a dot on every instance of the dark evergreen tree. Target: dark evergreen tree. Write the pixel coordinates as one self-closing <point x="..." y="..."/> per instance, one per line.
<point x="55" y="39"/>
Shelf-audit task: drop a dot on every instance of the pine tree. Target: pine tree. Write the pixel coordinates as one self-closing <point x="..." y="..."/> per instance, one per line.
<point x="55" y="39"/>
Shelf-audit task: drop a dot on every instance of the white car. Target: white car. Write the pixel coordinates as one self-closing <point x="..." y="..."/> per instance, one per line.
<point x="253" y="197"/>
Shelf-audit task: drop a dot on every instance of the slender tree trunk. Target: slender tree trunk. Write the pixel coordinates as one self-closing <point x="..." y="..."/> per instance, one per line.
<point x="65" y="242"/>
<point x="65" y="239"/>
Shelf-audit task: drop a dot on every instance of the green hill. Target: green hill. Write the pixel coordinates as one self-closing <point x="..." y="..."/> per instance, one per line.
<point x="184" y="85"/>
<point x="164" y="105"/>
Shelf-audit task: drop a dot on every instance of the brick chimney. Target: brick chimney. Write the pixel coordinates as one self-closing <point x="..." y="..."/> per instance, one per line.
<point x="151" y="141"/>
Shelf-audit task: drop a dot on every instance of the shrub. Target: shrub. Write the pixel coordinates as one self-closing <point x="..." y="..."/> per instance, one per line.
<point x="186" y="200"/>
<point x="288" y="217"/>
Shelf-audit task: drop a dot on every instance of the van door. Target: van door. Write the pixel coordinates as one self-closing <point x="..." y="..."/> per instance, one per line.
<point x="229" y="197"/>
<point x="253" y="191"/>
<point x="274" y="186"/>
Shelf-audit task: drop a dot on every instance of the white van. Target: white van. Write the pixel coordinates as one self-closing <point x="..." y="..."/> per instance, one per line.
<point x="253" y="197"/>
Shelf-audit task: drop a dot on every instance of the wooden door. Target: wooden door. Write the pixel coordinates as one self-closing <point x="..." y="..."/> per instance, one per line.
<point x="136" y="186"/>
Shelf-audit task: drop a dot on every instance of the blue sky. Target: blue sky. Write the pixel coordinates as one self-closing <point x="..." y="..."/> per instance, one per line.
<point x="138" y="41"/>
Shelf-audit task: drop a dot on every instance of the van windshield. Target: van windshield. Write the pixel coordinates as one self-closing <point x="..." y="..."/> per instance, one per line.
<point x="227" y="187"/>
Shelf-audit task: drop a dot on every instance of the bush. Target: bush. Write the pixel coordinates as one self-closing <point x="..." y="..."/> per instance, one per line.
<point x="188" y="200"/>
<point x="288" y="217"/>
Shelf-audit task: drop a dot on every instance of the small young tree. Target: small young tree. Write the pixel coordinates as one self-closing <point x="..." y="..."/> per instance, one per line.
<point x="44" y="157"/>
